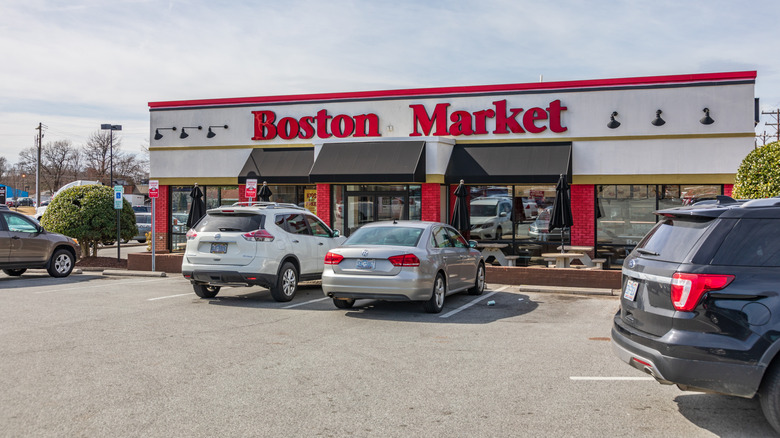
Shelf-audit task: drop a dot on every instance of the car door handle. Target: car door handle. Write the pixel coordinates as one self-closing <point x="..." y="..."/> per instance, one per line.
<point x="320" y="244"/>
<point x="295" y="241"/>
<point x="16" y="238"/>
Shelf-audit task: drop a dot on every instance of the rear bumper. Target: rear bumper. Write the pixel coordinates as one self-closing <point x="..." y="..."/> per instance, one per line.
<point x="715" y="375"/>
<point x="406" y="286"/>
<point x="229" y="278"/>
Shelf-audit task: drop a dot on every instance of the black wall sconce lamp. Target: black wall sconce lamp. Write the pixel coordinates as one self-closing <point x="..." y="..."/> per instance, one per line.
<point x="211" y="133"/>
<point x="612" y="122"/>
<point x="658" y="120"/>
<point x="184" y="133"/>
<point x="157" y="134"/>
<point x="707" y="120"/>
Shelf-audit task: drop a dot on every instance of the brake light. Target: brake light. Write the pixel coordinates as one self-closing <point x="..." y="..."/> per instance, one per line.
<point x="258" y="236"/>
<point x="687" y="289"/>
<point x="332" y="258"/>
<point x="404" y="260"/>
<point x="191" y="234"/>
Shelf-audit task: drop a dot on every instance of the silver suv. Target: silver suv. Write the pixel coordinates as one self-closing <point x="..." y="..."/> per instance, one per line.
<point x="260" y="244"/>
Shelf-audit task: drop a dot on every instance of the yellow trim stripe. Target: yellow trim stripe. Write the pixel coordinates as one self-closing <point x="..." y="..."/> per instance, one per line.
<point x="613" y="138"/>
<point x="709" y="178"/>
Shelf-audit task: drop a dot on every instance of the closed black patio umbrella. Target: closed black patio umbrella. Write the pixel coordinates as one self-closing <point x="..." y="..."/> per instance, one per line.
<point x="460" y="213"/>
<point x="197" y="208"/>
<point x="265" y="193"/>
<point x="561" y="212"/>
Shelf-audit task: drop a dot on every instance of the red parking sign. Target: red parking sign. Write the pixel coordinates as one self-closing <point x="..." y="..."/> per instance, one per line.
<point x="154" y="189"/>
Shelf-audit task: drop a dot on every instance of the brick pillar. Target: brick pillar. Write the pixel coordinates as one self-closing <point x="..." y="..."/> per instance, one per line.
<point x="431" y="202"/>
<point x="583" y="206"/>
<point x="323" y="203"/>
<point x="161" y="220"/>
<point x="728" y="189"/>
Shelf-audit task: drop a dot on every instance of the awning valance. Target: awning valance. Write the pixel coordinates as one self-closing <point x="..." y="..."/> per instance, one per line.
<point x="388" y="161"/>
<point x="278" y="166"/>
<point x="509" y="163"/>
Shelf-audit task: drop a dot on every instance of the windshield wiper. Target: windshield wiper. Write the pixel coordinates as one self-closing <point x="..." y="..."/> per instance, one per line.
<point x="647" y="252"/>
<point x="229" y="229"/>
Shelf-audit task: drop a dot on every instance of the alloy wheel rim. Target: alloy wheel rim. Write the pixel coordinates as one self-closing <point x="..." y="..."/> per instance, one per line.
<point x="62" y="264"/>
<point x="289" y="282"/>
<point x="439" y="292"/>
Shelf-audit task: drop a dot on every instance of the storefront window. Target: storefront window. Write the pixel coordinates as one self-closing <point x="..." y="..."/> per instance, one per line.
<point x="357" y="204"/>
<point x="292" y="194"/>
<point x="216" y="196"/>
<point x="180" y="207"/>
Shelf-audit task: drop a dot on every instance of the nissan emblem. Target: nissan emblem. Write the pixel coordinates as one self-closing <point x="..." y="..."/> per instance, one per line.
<point x="365" y="253"/>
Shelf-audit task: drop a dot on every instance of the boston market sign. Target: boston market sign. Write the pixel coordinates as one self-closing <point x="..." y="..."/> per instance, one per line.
<point x="440" y="122"/>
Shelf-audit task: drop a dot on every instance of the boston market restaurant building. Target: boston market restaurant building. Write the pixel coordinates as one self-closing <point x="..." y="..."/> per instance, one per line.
<point x="627" y="147"/>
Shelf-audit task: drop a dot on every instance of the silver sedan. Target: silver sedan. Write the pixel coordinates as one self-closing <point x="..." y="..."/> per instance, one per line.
<point x="403" y="261"/>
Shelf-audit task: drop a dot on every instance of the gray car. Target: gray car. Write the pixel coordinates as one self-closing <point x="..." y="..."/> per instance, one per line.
<point x="403" y="261"/>
<point x="24" y="244"/>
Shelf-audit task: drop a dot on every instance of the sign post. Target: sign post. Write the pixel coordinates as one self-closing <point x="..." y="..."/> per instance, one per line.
<point x="118" y="190"/>
<point x="251" y="189"/>
<point x="154" y="193"/>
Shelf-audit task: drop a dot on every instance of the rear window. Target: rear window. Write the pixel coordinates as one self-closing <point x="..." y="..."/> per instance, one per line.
<point x="231" y="222"/>
<point x="752" y="242"/>
<point x="396" y="236"/>
<point x="673" y="238"/>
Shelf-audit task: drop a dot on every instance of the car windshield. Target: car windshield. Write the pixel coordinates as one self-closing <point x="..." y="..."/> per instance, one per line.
<point x="673" y="238"/>
<point x="242" y="222"/>
<point x="396" y="236"/>
<point x="483" y="209"/>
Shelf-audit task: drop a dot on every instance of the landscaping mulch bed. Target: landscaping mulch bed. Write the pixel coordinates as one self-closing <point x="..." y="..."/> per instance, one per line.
<point x="102" y="262"/>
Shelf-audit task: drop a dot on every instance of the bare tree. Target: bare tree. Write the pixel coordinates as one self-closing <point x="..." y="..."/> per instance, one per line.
<point x="3" y="168"/>
<point x="97" y="155"/>
<point x="56" y="162"/>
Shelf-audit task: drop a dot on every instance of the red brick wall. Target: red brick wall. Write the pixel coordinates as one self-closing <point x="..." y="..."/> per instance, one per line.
<point x="583" y="206"/>
<point x="431" y="202"/>
<point x="241" y="193"/>
<point x="323" y="202"/>
<point x="728" y="189"/>
<point x="161" y="220"/>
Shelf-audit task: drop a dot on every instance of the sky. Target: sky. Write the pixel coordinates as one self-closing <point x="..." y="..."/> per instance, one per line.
<point x="74" y="65"/>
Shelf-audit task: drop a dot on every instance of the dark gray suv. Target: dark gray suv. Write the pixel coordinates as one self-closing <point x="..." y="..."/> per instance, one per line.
<point x="700" y="305"/>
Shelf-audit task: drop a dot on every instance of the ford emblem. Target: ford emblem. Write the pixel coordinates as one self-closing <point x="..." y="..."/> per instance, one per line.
<point x="632" y="263"/>
<point x="217" y="236"/>
<point x="365" y="253"/>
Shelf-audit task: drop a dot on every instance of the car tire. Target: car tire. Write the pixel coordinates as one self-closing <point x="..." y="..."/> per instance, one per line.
<point x="15" y="272"/>
<point x="436" y="303"/>
<point x="479" y="281"/>
<point x="61" y="263"/>
<point x="286" y="283"/>
<point x="499" y="232"/>
<point x="205" y="291"/>
<point x="345" y="303"/>
<point x="141" y="240"/>
<point x="769" y="396"/>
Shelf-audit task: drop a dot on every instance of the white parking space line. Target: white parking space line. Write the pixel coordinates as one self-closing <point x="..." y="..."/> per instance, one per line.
<point x="612" y="379"/>
<point x="305" y="303"/>
<point x="103" y="285"/>
<point x="169" y="296"/>
<point x="471" y="303"/>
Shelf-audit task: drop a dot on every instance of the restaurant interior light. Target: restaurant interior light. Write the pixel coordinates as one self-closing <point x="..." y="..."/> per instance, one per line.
<point x="707" y="120"/>
<point x="184" y="133"/>
<point x="211" y="133"/>
<point x="658" y="120"/>
<point x="612" y="122"/>
<point x="157" y="134"/>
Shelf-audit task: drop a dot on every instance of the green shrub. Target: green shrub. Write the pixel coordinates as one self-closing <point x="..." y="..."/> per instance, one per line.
<point x="759" y="174"/>
<point x="86" y="213"/>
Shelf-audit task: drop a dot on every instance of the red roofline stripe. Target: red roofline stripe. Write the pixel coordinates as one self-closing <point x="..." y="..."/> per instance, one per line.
<point x="478" y="89"/>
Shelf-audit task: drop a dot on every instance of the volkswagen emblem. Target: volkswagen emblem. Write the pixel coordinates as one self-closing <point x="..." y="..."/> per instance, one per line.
<point x="632" y="263"/>
<point x="365" y="253"/>
<point x="217" y="236"/>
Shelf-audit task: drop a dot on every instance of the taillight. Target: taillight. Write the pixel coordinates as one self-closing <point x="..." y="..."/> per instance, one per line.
<point x="687" y="289"/>
<point x="404" y="260"/>
<point x="332" y="258"/>
<point x="191" y="234"/>
<point x="258" y="236"/>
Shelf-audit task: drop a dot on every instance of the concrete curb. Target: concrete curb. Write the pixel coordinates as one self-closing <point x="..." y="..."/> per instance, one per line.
<point x="569" y="290"/>
<point x="126" y="273"/>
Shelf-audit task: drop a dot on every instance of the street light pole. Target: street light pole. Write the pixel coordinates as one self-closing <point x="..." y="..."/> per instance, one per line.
<point x="111" y="128"/>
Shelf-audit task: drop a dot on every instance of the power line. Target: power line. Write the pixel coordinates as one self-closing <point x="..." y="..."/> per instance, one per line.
<point x="776" y="116"/>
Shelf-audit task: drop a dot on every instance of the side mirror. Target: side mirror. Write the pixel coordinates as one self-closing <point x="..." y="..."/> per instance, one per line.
<point x="503" y="214"/>
<point x="472" y="243"/>
<point x="336" y="233"/>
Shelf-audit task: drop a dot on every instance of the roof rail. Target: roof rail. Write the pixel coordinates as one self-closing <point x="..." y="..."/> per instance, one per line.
<point x="766" y="202"/>
<point x="264" y="204"/>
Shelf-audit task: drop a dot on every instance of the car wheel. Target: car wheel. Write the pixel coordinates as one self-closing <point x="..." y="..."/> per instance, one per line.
<point x="205" y="291"/>
<point x="61" y="263"/>
<point x="769" y="396"/>
<point x="436" y="303"/>
<point x="286" y="283"/>
<point x="141" y="240"/>
<point x="479" y="282"/>
<point x="499" y="232"/>
<point x="14" y="272"/>
<point x="344" y="303"/>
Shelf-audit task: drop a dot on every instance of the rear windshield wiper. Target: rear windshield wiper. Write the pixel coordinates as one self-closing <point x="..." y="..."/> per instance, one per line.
<point x="229" y="229"/>
<point x="646" y="252"/>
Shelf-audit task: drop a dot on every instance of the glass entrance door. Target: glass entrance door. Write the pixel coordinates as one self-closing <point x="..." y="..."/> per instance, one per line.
<point x="360" y="210"/>
<point x="371" y="207"/>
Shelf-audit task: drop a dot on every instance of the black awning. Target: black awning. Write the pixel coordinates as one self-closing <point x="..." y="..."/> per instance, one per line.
<point x="381" y="161"/>
<point x="278" y="166"/>
<point x="509" y="163"/>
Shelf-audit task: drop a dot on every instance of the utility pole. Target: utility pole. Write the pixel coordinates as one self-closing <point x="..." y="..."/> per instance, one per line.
<point x="38" y="167"/>
<point x="776" y="116"/>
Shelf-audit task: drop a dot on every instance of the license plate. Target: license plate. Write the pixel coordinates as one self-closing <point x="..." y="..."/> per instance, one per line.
<point x="219" y="248"/>
<point x="630" y="292"/>
<point x="365" y="264"/>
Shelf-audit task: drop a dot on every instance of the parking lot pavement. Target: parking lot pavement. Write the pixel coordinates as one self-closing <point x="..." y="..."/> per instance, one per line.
<point x="93" y="355"/>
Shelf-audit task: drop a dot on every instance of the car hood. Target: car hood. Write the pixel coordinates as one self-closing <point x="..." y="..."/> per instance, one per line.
<point x="479" y="220"/>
